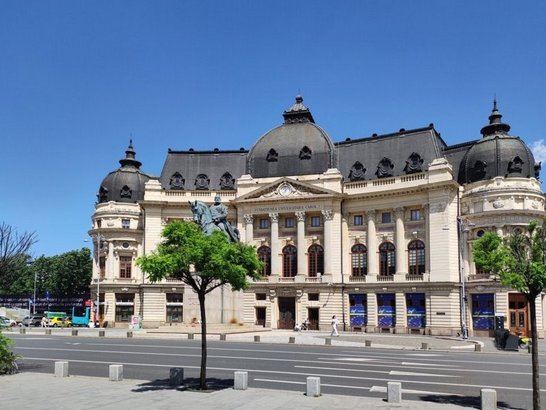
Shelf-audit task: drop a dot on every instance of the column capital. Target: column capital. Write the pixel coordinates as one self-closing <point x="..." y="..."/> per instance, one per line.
<point x="274" y="217"/>
<point x="249" y="218"/>
<point x="399" y="211"/>
<point x="371" y="214"/>
<point x="300" y="215"/>
<point x="328" y="214"/>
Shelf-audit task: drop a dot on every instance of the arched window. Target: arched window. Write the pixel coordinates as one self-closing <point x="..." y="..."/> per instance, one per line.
<point x="359" y="260"/>
<point x="264" y="254"/>
<point x="289" y="261"/>
<point x="316" y="260"/>
<point x="387" y="264"/>
<point x="416" y="257"/>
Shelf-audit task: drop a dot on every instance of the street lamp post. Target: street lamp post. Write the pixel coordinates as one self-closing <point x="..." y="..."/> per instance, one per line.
<point x="100" y="239"/>
<point x="462" y="230"/>
<point x="34" y="300"/>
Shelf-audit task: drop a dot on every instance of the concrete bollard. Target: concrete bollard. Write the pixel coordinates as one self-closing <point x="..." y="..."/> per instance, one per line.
<point x="256" y="338"/>
<point x="129" y="334"/>
<point x="424" y="346"/>
<point x="74" y="332"/>
<point x="61" y="369"/>
<point x="489" y="399"/>
<point x="240" y="380"/>
<point x="313" y="386"/>
<point x="477" y="347"/>
<point x="291" y="339"/>
<point x="223" y="337"/>
<point x="116" y="372"/>
<point x="394" y="392"/>
<point x="190" y="336"/>
<point x="48" y="331"/>
<point x="22" y="330"/>
<point x="101" y="333"/>
<point x="328" y="341"/>
<point x="367" y="343"/>
<point x="176" y="376"/>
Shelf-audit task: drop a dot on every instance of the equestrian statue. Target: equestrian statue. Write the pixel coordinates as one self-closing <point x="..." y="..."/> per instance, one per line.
<point x="213" y="218"/>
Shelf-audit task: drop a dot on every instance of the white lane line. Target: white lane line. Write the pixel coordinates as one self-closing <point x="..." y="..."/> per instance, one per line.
<point x="343" y="369"/>
<point x="427" y="364"/>
<point x="383" y="389"/>
<point x="399" y="373"/>
<point x="353" y="359"/>
<point x="424" y="355"/>
<point x="306" y="374"/>
<point x="322" y="384"/>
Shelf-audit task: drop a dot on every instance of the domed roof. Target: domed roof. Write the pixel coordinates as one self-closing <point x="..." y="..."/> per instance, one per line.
<point x="297" y="147"/>
<point x="497" y="154"/>
<point x="127" y="183"/>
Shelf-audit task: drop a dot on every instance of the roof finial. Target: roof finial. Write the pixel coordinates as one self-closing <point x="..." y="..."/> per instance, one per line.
<point x="129" y="159"/>
<point x="495" y="123"/>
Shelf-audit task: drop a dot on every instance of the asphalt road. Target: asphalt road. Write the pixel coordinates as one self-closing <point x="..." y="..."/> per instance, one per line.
<point x="451" y="377"/>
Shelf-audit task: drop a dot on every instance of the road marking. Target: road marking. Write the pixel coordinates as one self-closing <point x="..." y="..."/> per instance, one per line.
<point x="383" y="389"/>
<point x="342" y="386"/>
<point x="424" y="354"/>
<point x="426" y="364"/>
<point x="399" y="373"/>
<point x="354" y="359"/>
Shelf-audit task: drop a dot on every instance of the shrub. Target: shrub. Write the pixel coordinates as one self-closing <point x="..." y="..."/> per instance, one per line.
<point x="8" y="364"/>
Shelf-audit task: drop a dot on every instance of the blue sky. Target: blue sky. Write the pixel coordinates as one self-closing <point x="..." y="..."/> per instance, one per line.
<point x="79" y="78"/>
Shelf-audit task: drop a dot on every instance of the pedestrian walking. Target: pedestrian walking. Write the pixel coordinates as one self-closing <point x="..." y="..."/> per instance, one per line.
<point x="334" y="326"/>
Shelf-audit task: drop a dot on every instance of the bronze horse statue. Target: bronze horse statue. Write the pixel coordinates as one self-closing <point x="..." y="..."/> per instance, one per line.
<point x="203" y="217"/>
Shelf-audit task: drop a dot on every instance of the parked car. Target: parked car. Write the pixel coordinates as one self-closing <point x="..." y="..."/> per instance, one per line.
<point x="7" y="322"/>
<point x="34" y="320"/>
<point x="60" y="322"/>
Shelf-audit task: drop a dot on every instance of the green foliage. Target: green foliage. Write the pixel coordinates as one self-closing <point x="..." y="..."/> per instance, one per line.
<point x="519" y="259"/>
<point x="61" y="275"/>
<point x="202" y="261"/>
<point x="7" y="357"/>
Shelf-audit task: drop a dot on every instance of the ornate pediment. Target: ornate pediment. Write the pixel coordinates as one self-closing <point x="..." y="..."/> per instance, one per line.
<point x="286" y="188"/>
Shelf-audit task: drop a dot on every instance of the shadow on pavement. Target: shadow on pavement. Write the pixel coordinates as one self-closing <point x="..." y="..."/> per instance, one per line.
<point x="465" y="401"/>
<point x="190" y="384"/>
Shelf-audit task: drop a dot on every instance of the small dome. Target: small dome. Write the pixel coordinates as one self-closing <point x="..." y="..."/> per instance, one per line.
<point x="297" y="147"/>
<point x="127" y="183"/>
<point x="497" y="154"/>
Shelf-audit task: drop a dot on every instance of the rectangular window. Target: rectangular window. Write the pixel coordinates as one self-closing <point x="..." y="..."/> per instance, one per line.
<point x="125" y="223"/>
<point x="358" y="220"/>
<point x="125" y="264"/>
<point x="415" y="215"/>
<point x="386" y="218"/>
<point x="313" y="297"/>
<point x="315" y="221"/>
<point x="102" y="266"/>
<point x="416" y="311"/>
<point x="175" y="306"/>
<point x="358" y="310"/>
<point x="483" y="311"/>
<point x="260" y="296"/>
<point x="264" y="223"/>
<point x="386" y="310"/>
<point x="289" y="222"/>
<point x="125" y="306"/>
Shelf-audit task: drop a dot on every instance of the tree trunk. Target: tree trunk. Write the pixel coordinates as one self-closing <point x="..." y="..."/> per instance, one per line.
<point x="534" y="353"/>
<point x="203" y="377"/>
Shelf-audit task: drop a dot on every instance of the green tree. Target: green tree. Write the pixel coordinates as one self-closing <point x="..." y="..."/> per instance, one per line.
<point x="14" y="249"/>
<point x="520" y="260"/>
<point x="204" y="262"/>
<point x="62" y="275"/>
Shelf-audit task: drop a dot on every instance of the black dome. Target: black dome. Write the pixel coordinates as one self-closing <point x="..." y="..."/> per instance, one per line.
<point x="127" y="183"/>
<point x="497" y="154"/>
<point x="297" y="147"/>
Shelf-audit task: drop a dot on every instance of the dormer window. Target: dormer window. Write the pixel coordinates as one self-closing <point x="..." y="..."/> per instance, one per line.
<point x="177" y="181"/>
<point x="272" y="156"/>
<point x="227" y="181"/>
<point x="305" y="153"/>
<point x="357" y="172"/>
<point x="479" y="170"/>
<point x="384" y="168"/>
<point x="414" y="163"/>
<point x="102" y="195"/>
<point x="516" y="165"/>
<point x="202" y="182"/>
<point x="125" y="192"/>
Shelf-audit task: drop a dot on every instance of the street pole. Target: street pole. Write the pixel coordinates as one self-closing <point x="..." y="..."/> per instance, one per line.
<point x="34" y="301"/>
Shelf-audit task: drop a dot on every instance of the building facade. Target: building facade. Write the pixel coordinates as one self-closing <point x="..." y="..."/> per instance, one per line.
<point x="377" y="231"/>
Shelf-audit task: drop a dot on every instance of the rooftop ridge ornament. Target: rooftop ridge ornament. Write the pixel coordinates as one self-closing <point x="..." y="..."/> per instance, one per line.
<point x="495" y="123"/>
<point x="129" y="160"/>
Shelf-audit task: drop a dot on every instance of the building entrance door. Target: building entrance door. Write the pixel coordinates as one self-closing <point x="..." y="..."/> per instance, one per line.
<point x="314" y="319"/>
<point x="287" y="313"/>
<point x="518" y="314"/>
<point x="260" y="316"/>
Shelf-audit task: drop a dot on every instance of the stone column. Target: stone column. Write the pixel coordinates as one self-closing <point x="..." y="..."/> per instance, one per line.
<point x="300" y="243"/>
<point x="110" y="263"/>
<point x="373" y="263"/>
<point x="275" y="245"/>
<point x="328" y="217"/>
<point x="426" y="208"/>
<point x="249" y="228"/>
<point x="400" y="239"/>
<point x="345" y="247"/>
